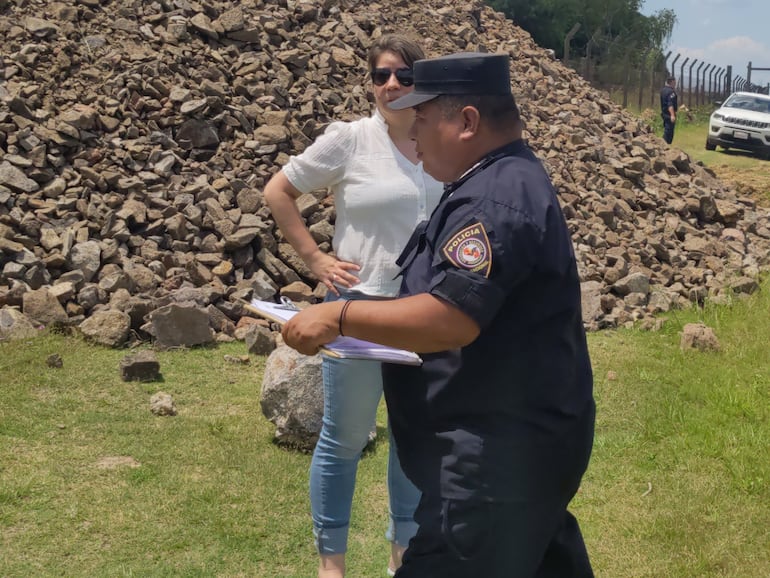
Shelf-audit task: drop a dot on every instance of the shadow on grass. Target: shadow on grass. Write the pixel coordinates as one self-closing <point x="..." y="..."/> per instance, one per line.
<point x="379" y="435"/>
<point x="741" y="153"/>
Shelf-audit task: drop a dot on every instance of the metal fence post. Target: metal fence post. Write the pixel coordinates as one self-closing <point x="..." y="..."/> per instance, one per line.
<point x="568" y="40"/>
<point x="703" y="87"/>
<point x="718" y="83"/>
<point x="641" y="77"/>
<point x="626" y="81"/>
<point x="654" y="88"/>
<point x="673" y="64"/>
<point x="681" y="74"/>
<point x="689" y="79"/>
<point x="697" y="83"/>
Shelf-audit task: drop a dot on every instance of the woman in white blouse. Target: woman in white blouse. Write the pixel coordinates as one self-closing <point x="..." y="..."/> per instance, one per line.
<point x="380" y="194"/>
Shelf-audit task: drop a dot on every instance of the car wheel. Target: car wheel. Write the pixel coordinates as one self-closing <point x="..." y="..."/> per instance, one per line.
<point x="710" y="147"/>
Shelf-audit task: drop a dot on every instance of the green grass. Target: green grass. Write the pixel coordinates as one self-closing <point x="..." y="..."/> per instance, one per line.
<point x="695" y="428"/>
<point x="678" y="485"/>
<point x="690" y="135"/>
<point x="748" y="174"/>
<point x="212" y="496"/>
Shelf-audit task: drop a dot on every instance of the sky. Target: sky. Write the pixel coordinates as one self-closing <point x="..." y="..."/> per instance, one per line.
<point x="719" y="32"/>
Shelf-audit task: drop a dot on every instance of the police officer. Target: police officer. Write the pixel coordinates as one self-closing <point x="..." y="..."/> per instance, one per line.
<point x="668" y="108"/>
<point x="496" y="426"/>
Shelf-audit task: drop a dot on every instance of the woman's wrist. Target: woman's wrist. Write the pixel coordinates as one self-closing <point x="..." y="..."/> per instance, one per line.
<point x="311" y="255"/>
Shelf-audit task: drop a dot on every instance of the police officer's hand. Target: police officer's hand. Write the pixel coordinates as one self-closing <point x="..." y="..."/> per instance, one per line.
<point x="313" y="327"/>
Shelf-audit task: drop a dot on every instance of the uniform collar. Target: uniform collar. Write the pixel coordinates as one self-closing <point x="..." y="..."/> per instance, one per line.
<point x="506" y="150"/>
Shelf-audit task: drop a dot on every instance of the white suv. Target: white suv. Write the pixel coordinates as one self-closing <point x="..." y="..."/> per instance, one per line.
<point x="742" y="122"/>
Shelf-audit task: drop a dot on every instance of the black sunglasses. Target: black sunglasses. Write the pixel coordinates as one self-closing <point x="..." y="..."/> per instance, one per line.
<point x="405" y="76"/>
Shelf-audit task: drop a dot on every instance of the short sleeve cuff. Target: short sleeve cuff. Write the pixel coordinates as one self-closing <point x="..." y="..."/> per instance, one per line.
<point x="294" y="178"/>
<point x="477" y="297"/>
<point x="323" y="162"/>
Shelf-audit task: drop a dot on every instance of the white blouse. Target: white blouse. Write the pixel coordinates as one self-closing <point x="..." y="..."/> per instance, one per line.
<point x="379" y="196"/>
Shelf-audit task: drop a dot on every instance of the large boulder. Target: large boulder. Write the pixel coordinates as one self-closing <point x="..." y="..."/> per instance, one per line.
<point x="42" y="306"/>
<point x="179" y="325"/>
<point x="15" y="325"/>
<point x="699" y="336"/>
<point x="110" y="328"/>
<point x="292" y="397"/>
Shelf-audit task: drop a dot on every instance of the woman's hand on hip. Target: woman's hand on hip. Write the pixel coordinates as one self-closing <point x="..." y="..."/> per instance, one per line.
<point x="332" y="272"/>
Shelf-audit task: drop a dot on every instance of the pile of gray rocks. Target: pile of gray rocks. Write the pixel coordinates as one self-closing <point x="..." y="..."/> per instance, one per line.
<point x="136" y="138"/>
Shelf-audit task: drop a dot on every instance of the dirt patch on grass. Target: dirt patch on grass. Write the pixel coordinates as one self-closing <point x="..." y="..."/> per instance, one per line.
<point x="113" y="462"/>
<point x="754" y="182"/>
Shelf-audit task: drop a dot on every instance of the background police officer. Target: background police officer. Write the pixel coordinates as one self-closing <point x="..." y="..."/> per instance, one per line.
<point x="496" y="427"/>
<point x="668" y="108"/>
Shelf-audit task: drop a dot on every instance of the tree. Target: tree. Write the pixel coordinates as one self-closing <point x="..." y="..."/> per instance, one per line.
<point x="548" y="21"/>
<point x="610" y="31"/>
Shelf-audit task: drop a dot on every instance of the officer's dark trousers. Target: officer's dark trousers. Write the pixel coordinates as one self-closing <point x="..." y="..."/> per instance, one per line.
<point x="668" y="129"/>
<point x="495" y="540"/>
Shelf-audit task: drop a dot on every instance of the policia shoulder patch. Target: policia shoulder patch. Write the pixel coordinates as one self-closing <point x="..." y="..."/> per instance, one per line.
<point x="469" y="249"/>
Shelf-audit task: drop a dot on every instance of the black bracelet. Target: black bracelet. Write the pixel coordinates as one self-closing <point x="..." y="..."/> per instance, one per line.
<point x="343" y="311"/>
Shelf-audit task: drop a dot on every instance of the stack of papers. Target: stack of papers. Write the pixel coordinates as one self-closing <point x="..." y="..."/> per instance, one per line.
<point x="342" y="347"/>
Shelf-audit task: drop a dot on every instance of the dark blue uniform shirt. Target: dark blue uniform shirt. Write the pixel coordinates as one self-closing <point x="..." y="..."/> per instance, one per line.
<point x="668" y="98"/>
<point x="509" y="417"/>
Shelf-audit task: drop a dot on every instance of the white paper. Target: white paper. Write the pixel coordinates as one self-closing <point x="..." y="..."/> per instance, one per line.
<point x="278" y="312"/>
<point x="343" y="346"/>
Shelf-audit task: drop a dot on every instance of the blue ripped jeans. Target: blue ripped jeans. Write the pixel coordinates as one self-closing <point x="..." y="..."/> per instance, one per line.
<point x="352" y="392"/>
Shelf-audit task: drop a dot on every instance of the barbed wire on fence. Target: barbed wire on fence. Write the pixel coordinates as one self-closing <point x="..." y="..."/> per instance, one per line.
<point x="699" y="84"/>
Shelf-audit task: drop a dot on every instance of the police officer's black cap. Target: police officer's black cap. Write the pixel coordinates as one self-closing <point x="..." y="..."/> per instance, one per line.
<point x="463" y="73"/>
